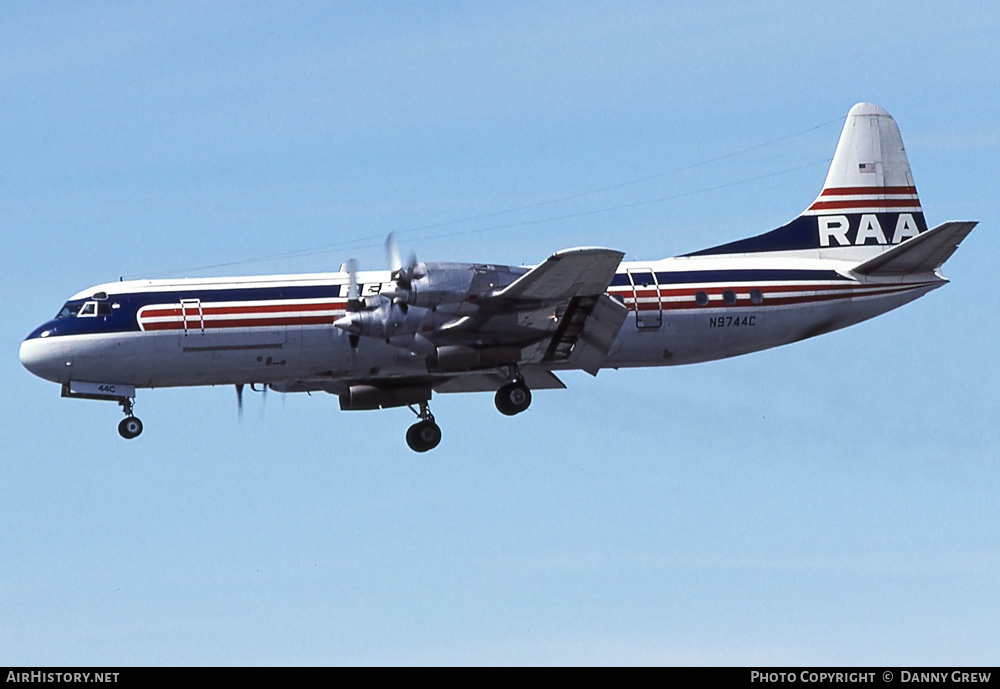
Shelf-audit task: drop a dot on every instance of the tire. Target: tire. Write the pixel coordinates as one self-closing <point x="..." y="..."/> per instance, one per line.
<point x="130" y="427"/>
<point x="423" y="436"/>
<point x="513" y="398"/>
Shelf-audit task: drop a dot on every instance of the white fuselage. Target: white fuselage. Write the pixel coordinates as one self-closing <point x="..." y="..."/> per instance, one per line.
<point x="280" y="328"/>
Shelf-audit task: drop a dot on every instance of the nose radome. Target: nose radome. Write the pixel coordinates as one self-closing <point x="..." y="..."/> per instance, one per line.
<point x="42" y="357"/>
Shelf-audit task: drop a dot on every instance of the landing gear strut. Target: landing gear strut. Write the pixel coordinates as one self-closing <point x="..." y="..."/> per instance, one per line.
<point x="425" y="434"/>
<point x="514" y="397"/>
<point x="131" y="426"/>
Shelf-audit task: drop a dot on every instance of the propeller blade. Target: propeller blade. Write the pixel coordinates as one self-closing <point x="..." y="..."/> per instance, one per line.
<point x="402" y="274"/>
<point x="353" y="293"/>
<point x="392" y="254"/>
<point x="353" y="300"/>
<point x="239" y="400"/>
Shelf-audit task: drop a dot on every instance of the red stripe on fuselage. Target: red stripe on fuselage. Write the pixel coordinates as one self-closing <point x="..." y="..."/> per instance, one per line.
<point x="209" y="310"/>
<point x="195" y="325"/>
<point x="765" y="289"/>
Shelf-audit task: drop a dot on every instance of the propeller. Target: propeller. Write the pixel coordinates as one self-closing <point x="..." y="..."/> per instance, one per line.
<point x="353" y="294"/>
<point x="403" y="275"/>
<point x="262" y="389"/>
<point x="381" y="315"/>
<point x="353" y="297"/>
<point x="263" y="393"/>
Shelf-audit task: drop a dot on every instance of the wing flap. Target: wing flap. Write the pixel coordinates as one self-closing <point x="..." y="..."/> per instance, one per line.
<point x="598" y="334"/>
<point x="584" y="334"/>
<point x="924" y="253"/>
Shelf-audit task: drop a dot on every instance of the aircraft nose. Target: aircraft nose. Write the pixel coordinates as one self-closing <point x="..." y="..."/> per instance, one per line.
<point x="43" y="357"/>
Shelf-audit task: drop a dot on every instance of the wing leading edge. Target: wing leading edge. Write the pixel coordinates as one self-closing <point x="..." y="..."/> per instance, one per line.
<point x="566" y="274"/>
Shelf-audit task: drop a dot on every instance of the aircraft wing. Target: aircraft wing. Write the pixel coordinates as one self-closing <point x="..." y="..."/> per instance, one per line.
<point x="557" y="315"/>
<point x="564" y="275"/>
<point x="558" y="311"/>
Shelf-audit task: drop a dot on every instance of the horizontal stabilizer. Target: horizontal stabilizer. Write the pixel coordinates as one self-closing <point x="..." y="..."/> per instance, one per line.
<point x="923" y="253"/>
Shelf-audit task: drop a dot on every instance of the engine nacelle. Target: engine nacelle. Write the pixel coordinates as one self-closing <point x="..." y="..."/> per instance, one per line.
<point x="462" y="358"/>
<point x="386" y="321"/>
<point x="453" y="283"/>
<point x="361" y="397"/>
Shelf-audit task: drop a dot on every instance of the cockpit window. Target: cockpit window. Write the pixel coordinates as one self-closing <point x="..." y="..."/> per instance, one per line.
<point x="69" y="310"/>
<point x="86" y="309"/>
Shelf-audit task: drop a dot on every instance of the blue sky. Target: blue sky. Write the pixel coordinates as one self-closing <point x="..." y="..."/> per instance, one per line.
<point x="830" y="502"/>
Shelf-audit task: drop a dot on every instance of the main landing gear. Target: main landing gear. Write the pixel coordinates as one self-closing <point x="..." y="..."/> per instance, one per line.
<point x="514" y="397"/>
<point x="425" y="434"/>
<point x="131" y="426"/>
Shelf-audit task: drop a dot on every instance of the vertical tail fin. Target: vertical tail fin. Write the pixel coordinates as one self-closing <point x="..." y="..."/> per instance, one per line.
<point x="868" y="204"/>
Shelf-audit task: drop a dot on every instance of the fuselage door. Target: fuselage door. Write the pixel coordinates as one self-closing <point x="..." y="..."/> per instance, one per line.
<point x="648" y="303"/>
<point x="192" y="318"/>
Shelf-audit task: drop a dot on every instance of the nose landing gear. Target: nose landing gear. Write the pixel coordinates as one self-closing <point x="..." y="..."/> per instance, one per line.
<point x="130" y="427"/>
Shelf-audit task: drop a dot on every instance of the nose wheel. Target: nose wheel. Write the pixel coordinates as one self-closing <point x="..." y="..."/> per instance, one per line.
<point x="425" y="434"/>
<point x="130" y="427"/>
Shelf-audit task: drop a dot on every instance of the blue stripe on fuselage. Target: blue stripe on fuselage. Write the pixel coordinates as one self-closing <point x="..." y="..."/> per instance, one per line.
<point x="123" y="318"/>
<point x="803" y="233"/>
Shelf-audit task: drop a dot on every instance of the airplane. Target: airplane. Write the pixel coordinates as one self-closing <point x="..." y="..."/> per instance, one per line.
<point x="383" y="339"/>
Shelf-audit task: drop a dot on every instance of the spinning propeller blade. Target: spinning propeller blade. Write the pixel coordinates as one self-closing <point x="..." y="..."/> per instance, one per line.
<point x="353" y="297"/>
<point x="403" y="275"/>
<point x="239" y="401"/>
<point x="353" y="294"/>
